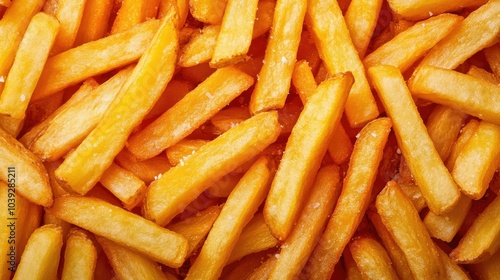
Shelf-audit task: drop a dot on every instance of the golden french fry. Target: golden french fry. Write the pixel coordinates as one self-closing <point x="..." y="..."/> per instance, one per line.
<point x="264" y="270"/>
<point x="122" y="227"/>
<point x="401" y="219"/>
<point x="443" y="126"/>
<point x="227" y="118"/>
<point x="94" y="23"/>
<point x="480" y="73"/>
<point x="453" y="271"/>
<point x="182" y="9"/>
<point x="371" y="259"/>
<point x="133" y="12"/>
<point x="210" y="162"/>
<point x="179" y="152"/>
<point x="69" y="14"/>
<point x="492" y="55"/>
<point x="466" y="133"/>
<point x="352" y="270"/>
<point x="200" y="48"/>
<point x="307" y="143"/>
<point x="361" y="20"/>
<point x="353" y="200"/>
<point x="487" y="269"/>
<point x="173" y="93"/>
<point x="334" y="44"/>
<point x="80" y="256"/>
<point x="421" y="9"/>
<point x="208" y="11"/>
<point x="146" y="170"/>
<point x="436" y="183"/>
<point x="243" y="268"/>
<point x="129" y="189"/>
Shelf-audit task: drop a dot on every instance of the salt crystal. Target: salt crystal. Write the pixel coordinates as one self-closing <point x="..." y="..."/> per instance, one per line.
<point x="181" y="162"/>
<point x="2" y="79"/>
<point x="430" y="14"/>
<point x="23" y="97"/>
<point x="316" y="205"/>
<point x="209" y="95"/>
<point x="398" y="151"/>
<point x="357" y="136"/>
<point x="277" y="256"/>
<point x="283" y="59"/>
<point x="373" y="134"/>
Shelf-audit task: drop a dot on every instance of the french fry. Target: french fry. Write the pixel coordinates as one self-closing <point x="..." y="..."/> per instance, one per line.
<point x="210" y="162"/>
<point x="69" y="14"/>
<point x="492" y="55"/>
<point x="460" y="91"/>
<point x="481" y="154"/>
<point x="80" y="256"/>
<point x="122" y="227"/>
<point x="401" y="219"/>
<point x="305" y="146"/>
<point x="239" y="208"/>
<point x="466" y="133"/>
<point x="189" y="113"/>
<point x="244" y="268"/>
<point x="477" y="31"/>
<point x="453" y="271"/>
<point x="263" y="17"/>
<point x="26" y="70"/>
<point x="225" y="185"/>
<point x="361" y="19"/>
<point x="208" y="11"/>
<point x="297" y="248"/>
<point x="443" y="126"/>
<point x="146" y="170"/>
<point x="94" y="23"/>
<point x="25" y="169"/>
<point x="273" y="82"/>
<point x="407" y="47"/>
<point x="436" y="183"/>
<point x="480" y="73"/>
<point x="196" y="228"/>
<point x="255" y="237"/>
<point x="41" y="256"/>
<point x="133" y="12"/>
<point x="200" y="48"/>
<point x="124" y="185"/>
<point x="482" y="239"/>
<point x="487" y="269"/>
<point x="68" y="69"/>
<point x="138" y="94"/>
<point x="326" y="24"/>
<point x="227" y="118"/>
<point x="371" y="259"/>
<point x="420" y="9"/>
<point x="264" y="270"/>
<point x="183" y="149"/>
<point x="352" y="270"/>
<point x="182" y="9"/>
<point x="353" y="200"/>
<point x="128" y="264"/>
<point x="175" y="91"/>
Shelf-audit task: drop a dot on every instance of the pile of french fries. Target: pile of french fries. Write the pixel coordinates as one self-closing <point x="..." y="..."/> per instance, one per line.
<point x="227" y="139"/>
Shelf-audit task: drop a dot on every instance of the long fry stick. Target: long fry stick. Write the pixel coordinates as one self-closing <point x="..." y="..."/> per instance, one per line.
<point x="361" y="20"/>
<point x="69" y="14"/>
<point x="80" y="256"/>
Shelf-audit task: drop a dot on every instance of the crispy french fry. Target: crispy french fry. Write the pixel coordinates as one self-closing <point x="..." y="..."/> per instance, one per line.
<point x="28" y="65"/>
<point x="482" y="239"/>
<point x="327" y="25"/>
<point x="244" y="268"/>
<point x="225" y="185"/>
<point x="371" y="259"/>
<point x="41" y="256"/>
<point x="68" y="69"/>
<point x="69" y="14"/>
<point x="492" y="55"/>
<point x="273" y="82"/>
<point x="182" y="9"/>
<point x="401" y="219"/>
<point x="146" y="170"/>
<point x="210" y="162"/>
<point x="460" y="91"/>
<point x="264" y="270"/>
<point x="122" y="227"/>
<point x="239" y="208"/>
<point x="408" y="46"/>
<point x="80" y="256"/>
<point x="421" y="9"/>
<point x="307" y="143"/>
<point x="443" y="126"/>
<point x="465" y="134"/>
<point x="297" y="248"/>
<point x="94" y="23"/>
<point x="488" y="269"/>
<point x="478" y="30"/>
<point x="208" y="11"/>
<point x="227" y="118"/>
<point x="133" y="12"/>
<point x="138" y="94"/>
<point x="190" y="112"/>
<point x="480" y="73"/>
<point x="361" y="20"/>
<point x="481" y="154"/>
<point x="352" y="270"/>
<point x="436" y="183"/>
<point x="353" y="200"/>
<point x="183" y="149"/>
<point x="263" y="17"/>
<point x="200" y="48"/>
<point x="124" y="185"/>
<point x="255" y="237"/>
<point x="128" y="264"/>
<point x="175" y="91"/>
<point x="453" y="271"/>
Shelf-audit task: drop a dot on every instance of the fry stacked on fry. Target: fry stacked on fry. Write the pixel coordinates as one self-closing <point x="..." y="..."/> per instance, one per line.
<point x="226" y="139"/>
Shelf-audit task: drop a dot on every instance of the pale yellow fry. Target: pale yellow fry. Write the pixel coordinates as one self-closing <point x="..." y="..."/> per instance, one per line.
<point x="83" y="168"/>
<point x="361" y="20"/>
<point x="436" y="183"/>
<point x="477" y="31"/>
<point x="371" y="259"/>
<point x="28" y="65"/>
<point x="122" y="227"/>
<point x="422" y="9"/>
<point x="307" y="144"/>
<point x="212" y="161"/>
<point x="326" y="23"/>
<point x="80" y="256"/>
<point x="40" y="259"/>
<point x="69" y="14"/>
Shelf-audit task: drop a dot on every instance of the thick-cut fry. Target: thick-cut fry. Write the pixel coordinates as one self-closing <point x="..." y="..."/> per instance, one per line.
<point x="227" y="118"/>
<point x="453" y="271"/>
<point x="128" y="264"/>
<point x="146" y="170"/>
<point x="94" y="23"/>
<point x="460" y="91"/>
<point x="200" y="48"/>
<point x="239" y="208"/>
<point x="482" y="239"/>
<point x="480" y="73"/>
<point x="354" y="198"/>
<point x="41" y="256"/>
<point x="436" y="183"/>
<point x="255" y="237"/>
<point x="129" y="189"/>
<point x="371" y="259"/>
<point x="488" y="269"/>
<point x="263" y="17"/>
<point x="361" y="20"/>
<point x="273" y="82"/>
<point x="133" y="12"/>
<point x="122" y="227"/>
<point x="481" y="154"/>
<point x="299" y="245"/>
<point x="69" y="14"/>
<point x="28" y="172"/>
<point x="443" y="126"/>
<point x="327" y="25"/>
<point x="422" y="9"/>
<point x="492" y="55"/>
<point x="179" y="152"/>
<point x="190" y="112"/>
<point x="80" y="256"/>
<point x="70" y="67"/>
<point x="401" y="219"/>
<point x="83" y="168"/>
<point x="410" y="45"/>
<point x="478" y="30"/>
<point x="352" y="270"/>
<point x="209" y="163"/>
<point x="208" y="11"/>
<point x="307" y="144"/>
<point x="28" y="65"/>
<point x="465" y="134"/>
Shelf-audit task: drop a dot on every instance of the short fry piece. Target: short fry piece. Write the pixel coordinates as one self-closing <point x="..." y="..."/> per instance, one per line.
<point x="422" y="9"/>
<point x="443" y="126"/>
<point x="361" y="20"/>
<point x="208" y="11"/>
<point x="371" y="259"/>
<point x="122" y="227"/>
<point x="69" y="14"/>
<point x="307" y="143"/>
<point x="129" y="189"/>
<point x="80" y="256"/>
<point x="401" y="219"/>
<point x="436" y="183"/>
<point x="212" y="161"/>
